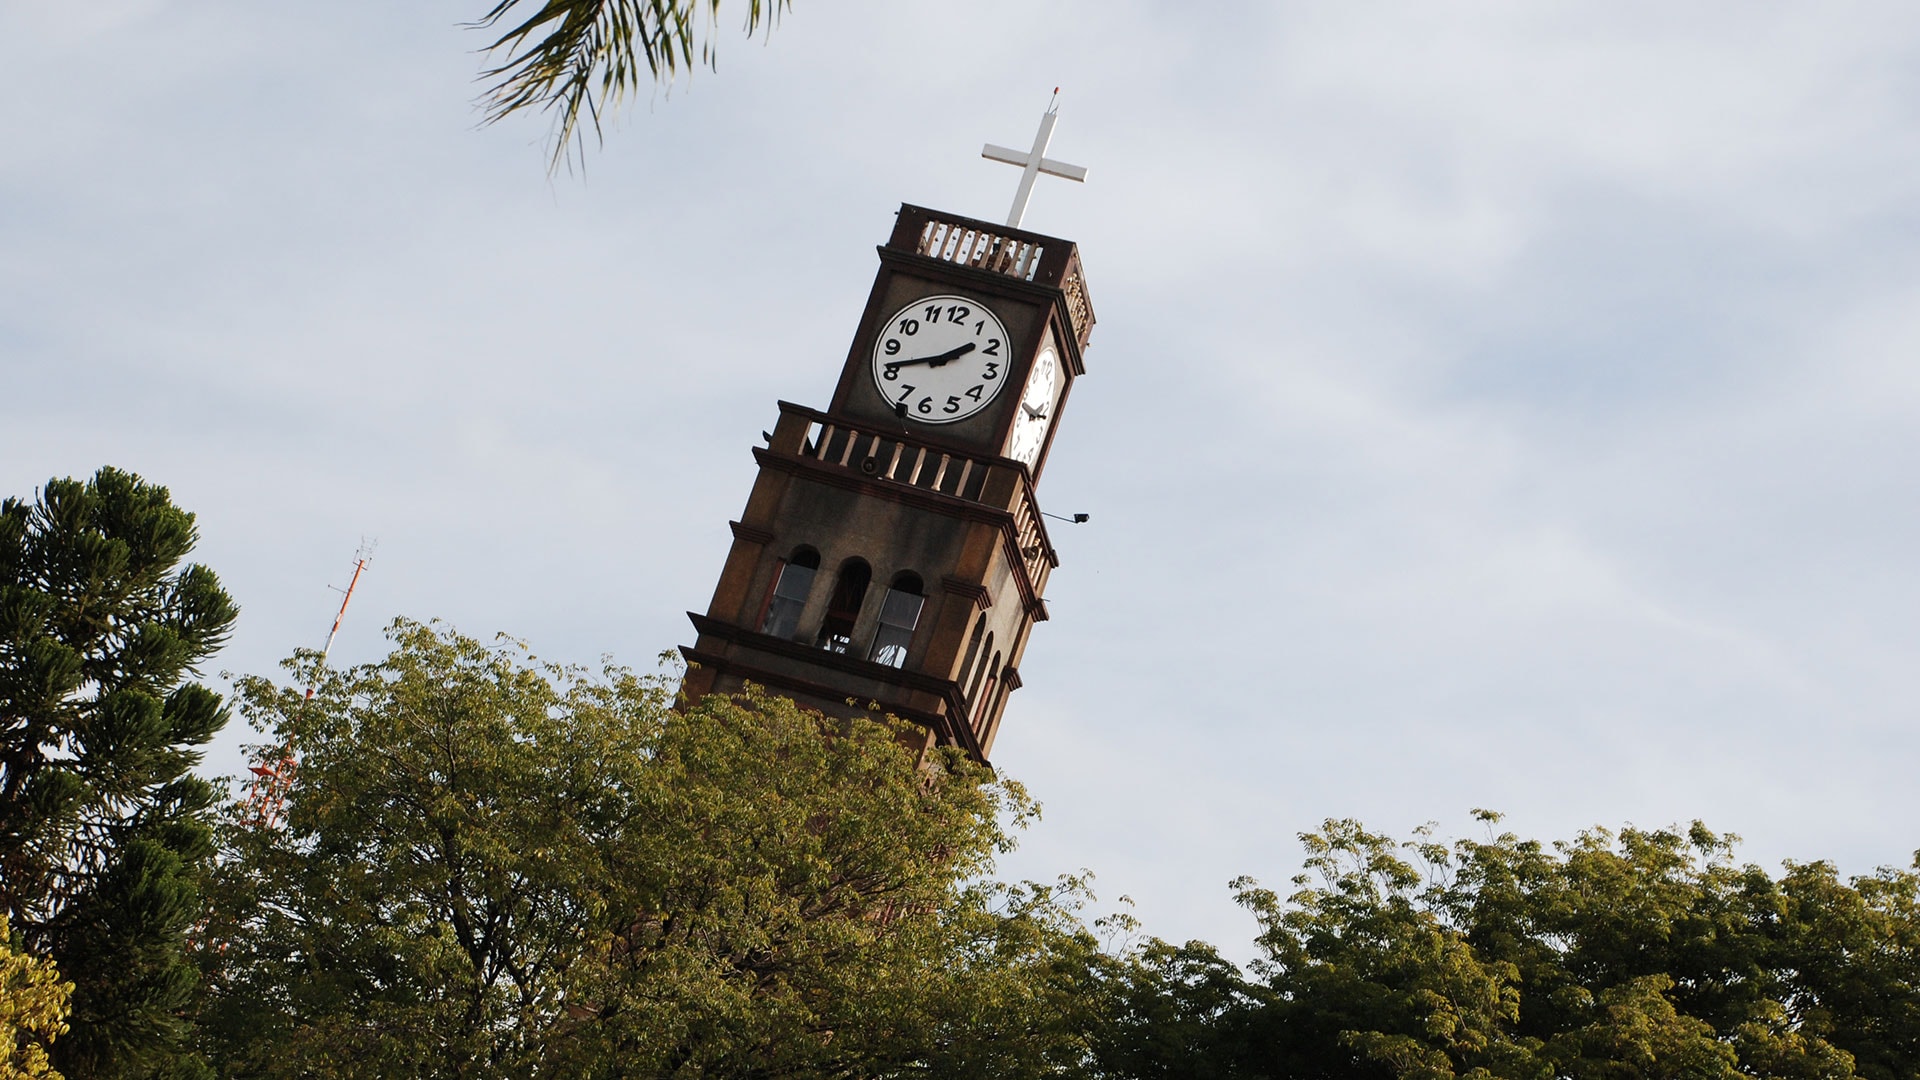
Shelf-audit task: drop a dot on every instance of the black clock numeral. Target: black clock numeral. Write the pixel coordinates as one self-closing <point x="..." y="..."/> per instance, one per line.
<point x="892" y="346"/>
<point x="979" y="326"/>
<point x="953" y="403"/>
<point x="933" y="312"/>
<point x="974" y="392"/>
<point x="905" y="391"/>
<point x="993" y="370"/>
<point x="958" y="314"/>
<point x="926" y="405"/>
<point x="993" y="347"/>
<point x="909" y="326"/>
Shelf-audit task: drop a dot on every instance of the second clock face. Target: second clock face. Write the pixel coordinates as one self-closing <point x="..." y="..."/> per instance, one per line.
<point x="942" y="357"/>
<point x="1036" y="410"/>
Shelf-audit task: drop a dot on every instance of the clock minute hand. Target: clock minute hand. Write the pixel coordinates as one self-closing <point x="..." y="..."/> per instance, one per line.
<point x="1037" y="414"/>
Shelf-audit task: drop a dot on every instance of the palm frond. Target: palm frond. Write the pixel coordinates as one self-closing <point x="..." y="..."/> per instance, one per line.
<point x="582" y="58"/>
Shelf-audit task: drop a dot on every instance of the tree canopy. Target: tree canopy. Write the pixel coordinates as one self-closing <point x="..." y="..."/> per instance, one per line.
<point x="495" y="867"/>
<point x="1641" y="953"/>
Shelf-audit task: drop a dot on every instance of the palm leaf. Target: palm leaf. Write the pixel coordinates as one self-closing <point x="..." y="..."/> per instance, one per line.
<point x="580" y="58"/>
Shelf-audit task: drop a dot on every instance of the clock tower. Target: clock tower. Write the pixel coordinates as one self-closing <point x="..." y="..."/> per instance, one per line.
<point x="892" y="553"/>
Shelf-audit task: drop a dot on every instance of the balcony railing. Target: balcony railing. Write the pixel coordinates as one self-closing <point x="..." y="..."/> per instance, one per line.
<point x="887" y="457"/>
<point x="954" y="242"/>
<point x="997" y="249"/>
<point x="892" y="458"/>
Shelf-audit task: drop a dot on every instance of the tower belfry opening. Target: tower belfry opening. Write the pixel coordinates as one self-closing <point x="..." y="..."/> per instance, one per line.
<point x="893" y="552"/>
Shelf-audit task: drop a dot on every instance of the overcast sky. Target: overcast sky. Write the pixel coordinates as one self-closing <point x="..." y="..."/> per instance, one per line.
<point x="1504" y="405"/>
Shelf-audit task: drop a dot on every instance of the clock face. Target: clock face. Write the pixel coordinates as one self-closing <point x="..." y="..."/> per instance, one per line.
<point x="1036" y="410"/>
<point x="941" y="357"/>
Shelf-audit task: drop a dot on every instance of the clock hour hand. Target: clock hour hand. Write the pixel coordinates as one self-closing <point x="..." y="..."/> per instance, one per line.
<point x="951" y="354"/>
<point x="935" y="360"/>
<point x="1037" y="414"/>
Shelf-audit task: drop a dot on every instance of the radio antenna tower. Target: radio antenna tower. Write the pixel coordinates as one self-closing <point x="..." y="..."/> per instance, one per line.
<point x="360" y="560"/>
<point x="267" y="792"/>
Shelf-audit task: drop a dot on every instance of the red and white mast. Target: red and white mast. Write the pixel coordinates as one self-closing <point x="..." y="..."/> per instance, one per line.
<point x="360" y="560"/>
<point x="267" y="791"/>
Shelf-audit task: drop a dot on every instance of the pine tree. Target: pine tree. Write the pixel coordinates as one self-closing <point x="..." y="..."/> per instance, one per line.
<point x="103" y="829"/>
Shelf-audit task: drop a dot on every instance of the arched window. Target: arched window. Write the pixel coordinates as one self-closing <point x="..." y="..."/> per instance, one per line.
<point x="983" y="705"/>
<point x="973" y="650"/>
<point x="899" y="614"/>
<point x="979" y="674"/>
<point x="791" y="584"/>
<point x="843" y="610"/>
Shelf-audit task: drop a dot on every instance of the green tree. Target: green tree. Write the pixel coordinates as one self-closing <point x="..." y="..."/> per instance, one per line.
<point x="33" y="1010"/>
<point x="1615" y="956"/>
<point x="1367" y="979"/>
<point x="494" y="867"/>
<point x="103" y="830"/>
<point x="582" y="58"/>
<point x="1178" y="1013"/>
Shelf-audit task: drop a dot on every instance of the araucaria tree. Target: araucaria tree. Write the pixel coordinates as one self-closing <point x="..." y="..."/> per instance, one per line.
<point x="103" y="830"/>
<point x="493" y="867"/>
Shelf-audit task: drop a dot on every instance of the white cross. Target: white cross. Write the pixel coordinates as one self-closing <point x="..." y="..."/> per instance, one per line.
<point x="1035" y="163"/>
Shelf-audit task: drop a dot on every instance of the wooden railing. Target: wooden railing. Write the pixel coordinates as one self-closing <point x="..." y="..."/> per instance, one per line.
<point x="889" y="457"/>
